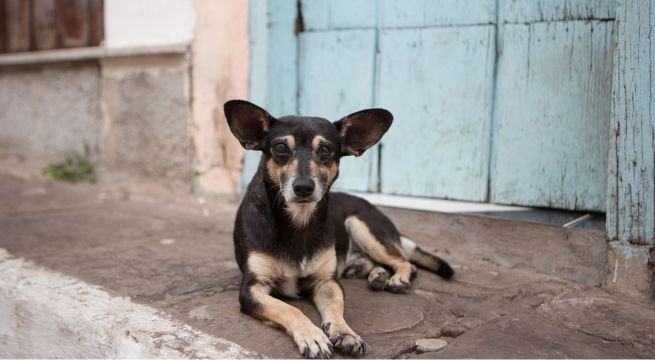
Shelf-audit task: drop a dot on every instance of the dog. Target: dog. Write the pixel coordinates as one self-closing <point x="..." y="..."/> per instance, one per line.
<point x="293" y="237"/>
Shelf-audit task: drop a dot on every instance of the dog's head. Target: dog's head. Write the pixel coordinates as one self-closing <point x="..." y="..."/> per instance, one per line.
<point x="302" y="153"/>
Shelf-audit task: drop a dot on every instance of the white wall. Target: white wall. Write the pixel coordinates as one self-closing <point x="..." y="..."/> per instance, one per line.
<point x="131" y="23"/>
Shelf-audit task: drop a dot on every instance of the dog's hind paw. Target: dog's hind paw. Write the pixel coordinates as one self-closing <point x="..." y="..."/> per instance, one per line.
<point x="398" y="285"/>
<point x="377" y="278"/>
<point x="344" y="339"/>
<point x="313" y="343"/>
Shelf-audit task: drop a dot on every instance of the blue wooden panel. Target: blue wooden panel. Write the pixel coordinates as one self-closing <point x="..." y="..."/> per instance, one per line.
<point x="551" y="124"/>
<point x="338" y="14"/>
<point x="522" y="11"/>
<point x="631" y="181"/>
<point x="336" y="78"/>
<point x="438" y="83"/>
<point x="273" y="64"/>
<point x="421" y="13"/>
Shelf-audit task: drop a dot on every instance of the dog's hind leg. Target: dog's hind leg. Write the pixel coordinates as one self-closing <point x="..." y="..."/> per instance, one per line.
<point x="358" y="266"/>
<point x="387" y="253"/>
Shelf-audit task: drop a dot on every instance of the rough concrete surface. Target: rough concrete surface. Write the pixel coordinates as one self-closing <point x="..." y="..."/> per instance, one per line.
<point x="174" y="253"/>
<point x="146" y="111"/>
<point x="50" y="110"/>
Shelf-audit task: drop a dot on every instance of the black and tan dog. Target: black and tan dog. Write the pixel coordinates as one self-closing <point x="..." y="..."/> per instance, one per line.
<point x="292" y="236"/>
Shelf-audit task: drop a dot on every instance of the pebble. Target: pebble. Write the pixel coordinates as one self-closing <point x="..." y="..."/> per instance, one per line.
<point x="167" y="241"/>
<point x="427" y="345"/>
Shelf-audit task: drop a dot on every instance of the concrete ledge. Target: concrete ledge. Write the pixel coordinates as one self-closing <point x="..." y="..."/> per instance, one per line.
<point x="44" y="314"/>
<point x="87" y="53"/>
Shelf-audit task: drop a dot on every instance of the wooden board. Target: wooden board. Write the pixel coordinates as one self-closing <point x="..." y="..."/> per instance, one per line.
<point x="336" y="72"/>
<point x="3" y="25"/>
<point x="96" y="22"/>
<point x="551" y="124"/>
<point x="338" y="14"/>
<point x="44" y="25"/>
<point x="17" y="16"/>
<point x="73" y="23"/>
<point x="273" y="66"/>
<point x="438" y="83"/>
<point x="631" y="205"/>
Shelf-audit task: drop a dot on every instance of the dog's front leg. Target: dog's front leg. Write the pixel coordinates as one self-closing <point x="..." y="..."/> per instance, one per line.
<point x="328" y="297"/>
<point x="256" y="300"/>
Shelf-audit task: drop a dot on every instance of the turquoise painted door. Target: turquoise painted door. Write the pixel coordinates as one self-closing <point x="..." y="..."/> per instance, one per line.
<point x="503" y="101"/>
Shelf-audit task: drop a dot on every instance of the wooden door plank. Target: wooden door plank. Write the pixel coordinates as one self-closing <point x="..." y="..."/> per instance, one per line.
<point x="44" y="24"/>
<point x="338" y="14"/>
<point x="96" y="22"/>
<point x="631" y="184"/>
<point x="336" y="71"/>
<point x="274" y="64"/>
<point x="17" y="14"/>
<point x="438" y="83"/>
<point x="551" y="124"/>
<point x="3" y="25"/>
<point x="73" y="23"/>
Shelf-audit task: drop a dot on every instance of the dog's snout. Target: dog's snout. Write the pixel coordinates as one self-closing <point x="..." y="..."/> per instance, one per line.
<point x="303" y="188"/>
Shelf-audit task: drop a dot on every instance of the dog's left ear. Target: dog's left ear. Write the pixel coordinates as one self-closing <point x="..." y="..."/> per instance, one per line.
<point x="363" y="129"/>
<point x="248" y="122"/>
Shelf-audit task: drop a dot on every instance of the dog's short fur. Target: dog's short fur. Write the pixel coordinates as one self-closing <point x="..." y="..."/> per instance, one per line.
<point x="293" y="237"/>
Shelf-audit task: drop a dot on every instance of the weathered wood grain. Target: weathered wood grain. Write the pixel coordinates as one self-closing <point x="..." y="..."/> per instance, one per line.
<point x="73" y="23"/>
<point x="551" y="123"/>
<point x="338" y="14"/>
<point x="423" y="13"/>
<point x="44" y="24"/>
<point x="17" y="16"/>
<point x="438" y="83"/>
<point x="96" y="22"/>
<point x="336" y="74"/>
<point x="529" y="11"/>
<point x="631" y="188"/>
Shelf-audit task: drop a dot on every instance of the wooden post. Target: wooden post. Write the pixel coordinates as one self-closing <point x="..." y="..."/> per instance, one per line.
<point x="631" y="177"/>
<point x="631" y="192"/>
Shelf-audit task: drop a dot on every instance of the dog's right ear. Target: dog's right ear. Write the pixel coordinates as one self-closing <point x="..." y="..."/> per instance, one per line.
<point x="248" y="122"/>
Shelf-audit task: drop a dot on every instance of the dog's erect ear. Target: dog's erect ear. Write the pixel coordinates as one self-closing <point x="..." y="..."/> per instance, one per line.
<point x="248" y="122"/>
<point x="363" y="129"/>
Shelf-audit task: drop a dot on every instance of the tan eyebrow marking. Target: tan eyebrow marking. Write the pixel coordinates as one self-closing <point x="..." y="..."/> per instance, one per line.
<point x="317" y="140"/>
<point x="290" y="140"/>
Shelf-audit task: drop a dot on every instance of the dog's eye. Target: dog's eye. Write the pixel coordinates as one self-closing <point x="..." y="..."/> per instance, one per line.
<point x="280" y="148"/>
<point x="324" y="150"/>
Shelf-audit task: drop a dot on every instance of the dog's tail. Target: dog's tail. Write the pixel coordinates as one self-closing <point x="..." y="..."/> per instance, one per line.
<point x="425" y="260"/>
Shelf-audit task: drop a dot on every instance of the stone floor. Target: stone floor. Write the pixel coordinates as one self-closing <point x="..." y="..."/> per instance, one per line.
<point x="521" y="290"/>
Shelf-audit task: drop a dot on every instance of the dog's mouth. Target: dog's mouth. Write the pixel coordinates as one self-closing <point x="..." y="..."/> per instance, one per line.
<point x="303" y="200"/>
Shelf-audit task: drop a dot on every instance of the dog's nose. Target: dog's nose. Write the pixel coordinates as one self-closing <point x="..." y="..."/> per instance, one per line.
<point x="303" y="187"/>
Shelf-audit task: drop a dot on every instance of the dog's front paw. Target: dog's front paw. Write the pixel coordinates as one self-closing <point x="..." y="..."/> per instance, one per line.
<point x="313" y="343"/>
<point x="344" y="339"/>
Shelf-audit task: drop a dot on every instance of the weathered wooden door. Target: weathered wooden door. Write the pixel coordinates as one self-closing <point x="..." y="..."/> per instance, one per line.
<point x="504" y="101"/>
